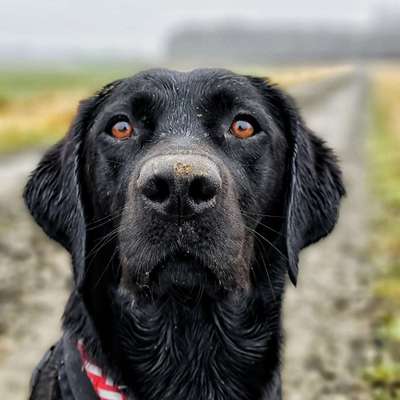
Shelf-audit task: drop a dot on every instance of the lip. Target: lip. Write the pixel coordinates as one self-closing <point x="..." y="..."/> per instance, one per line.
<point x="186" y="260"/>
<point x="182" y="271"/>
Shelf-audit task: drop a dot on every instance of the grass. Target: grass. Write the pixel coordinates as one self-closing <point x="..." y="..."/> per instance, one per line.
<point x="37" y="106"/>
<point x="384" y="152"/>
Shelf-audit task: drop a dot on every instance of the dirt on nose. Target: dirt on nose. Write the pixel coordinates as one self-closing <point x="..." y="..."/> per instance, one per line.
<point x="182" y="169"/>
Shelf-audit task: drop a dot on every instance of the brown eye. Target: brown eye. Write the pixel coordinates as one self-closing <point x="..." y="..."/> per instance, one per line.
<point x="242" y="129"/>
<point x="122" y="130"/>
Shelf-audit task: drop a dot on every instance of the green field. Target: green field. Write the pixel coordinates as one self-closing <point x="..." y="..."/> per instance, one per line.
<point x="384" y="156"/>
<point x="36" y="106"/>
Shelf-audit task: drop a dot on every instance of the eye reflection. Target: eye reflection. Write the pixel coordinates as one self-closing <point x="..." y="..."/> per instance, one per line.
<point x="122" y="130"/>
<point x="242" y="129"/>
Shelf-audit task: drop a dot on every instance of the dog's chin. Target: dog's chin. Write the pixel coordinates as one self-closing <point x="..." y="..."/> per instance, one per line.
<point x="182" y="277"/>
<point x="185" y="279"/>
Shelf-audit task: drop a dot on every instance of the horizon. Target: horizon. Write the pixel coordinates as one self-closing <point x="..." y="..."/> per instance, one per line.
<point x="57" y="32"/>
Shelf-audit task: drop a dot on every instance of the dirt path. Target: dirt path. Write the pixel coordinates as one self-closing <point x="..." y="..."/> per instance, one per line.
<point x="327" y="330"/>
<point x="34" y="279"/>
<point x="324" y="317"/>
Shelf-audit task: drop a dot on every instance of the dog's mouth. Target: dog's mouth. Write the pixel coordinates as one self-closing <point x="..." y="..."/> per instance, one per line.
<point x="179" y="270"/>
<point x="182" y="276"/>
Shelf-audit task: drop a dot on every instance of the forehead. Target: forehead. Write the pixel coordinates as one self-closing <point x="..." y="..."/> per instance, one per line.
<point x="193" y="86"/>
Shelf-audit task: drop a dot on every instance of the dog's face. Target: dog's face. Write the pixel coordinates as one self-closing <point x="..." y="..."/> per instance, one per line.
<point x="183" y="176"/>
<point x="186" y="164"/>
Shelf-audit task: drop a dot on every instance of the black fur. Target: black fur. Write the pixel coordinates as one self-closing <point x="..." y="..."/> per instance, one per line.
<point x="186" y="308"/>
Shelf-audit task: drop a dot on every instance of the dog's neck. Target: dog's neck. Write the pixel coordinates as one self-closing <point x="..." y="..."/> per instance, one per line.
<point x="210" y="350"/>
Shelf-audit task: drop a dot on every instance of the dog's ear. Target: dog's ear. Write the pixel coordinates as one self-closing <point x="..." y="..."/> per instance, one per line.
<point x="314" y="195"/>
<point x="53" y="197"/>
<point x="314" y="180"/>
<point x="53" y="191"/>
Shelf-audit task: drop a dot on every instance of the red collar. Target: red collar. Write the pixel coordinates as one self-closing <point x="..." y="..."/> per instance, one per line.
<point x="102" y="384"/>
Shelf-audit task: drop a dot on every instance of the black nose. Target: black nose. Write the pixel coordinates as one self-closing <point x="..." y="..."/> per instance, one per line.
<point x="180" y="185"/>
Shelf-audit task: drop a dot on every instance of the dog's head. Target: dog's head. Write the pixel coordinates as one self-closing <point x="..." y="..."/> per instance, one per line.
<point x="183" y="180"/>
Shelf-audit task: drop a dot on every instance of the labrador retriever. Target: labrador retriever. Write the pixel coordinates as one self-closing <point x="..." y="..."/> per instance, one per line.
<point x="184" y="200"/>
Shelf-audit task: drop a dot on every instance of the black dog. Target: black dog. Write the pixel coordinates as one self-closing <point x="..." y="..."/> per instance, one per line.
<point x="183" y="198"/>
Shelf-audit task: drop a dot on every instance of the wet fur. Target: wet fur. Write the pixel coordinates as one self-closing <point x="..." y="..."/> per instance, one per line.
<point x="183" y="345"/>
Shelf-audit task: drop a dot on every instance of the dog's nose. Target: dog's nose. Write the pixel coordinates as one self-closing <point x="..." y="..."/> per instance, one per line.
<point x="180" y="185"/>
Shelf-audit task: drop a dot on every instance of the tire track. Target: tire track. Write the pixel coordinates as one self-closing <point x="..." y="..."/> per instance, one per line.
<point x="326" y="316"/>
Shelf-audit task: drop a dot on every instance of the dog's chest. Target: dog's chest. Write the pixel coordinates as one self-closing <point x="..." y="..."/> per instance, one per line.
<point x="218" y="358"/>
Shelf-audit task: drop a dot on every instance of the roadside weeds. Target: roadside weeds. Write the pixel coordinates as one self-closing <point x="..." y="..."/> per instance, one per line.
<point x="383" y="375"/>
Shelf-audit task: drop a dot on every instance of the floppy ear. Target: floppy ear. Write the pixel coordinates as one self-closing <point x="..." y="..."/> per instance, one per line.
<point x="52" y="194"/>
<point x="316" y="188"/>
<point x="53" y="191"/>
<point x="315" y="184"/>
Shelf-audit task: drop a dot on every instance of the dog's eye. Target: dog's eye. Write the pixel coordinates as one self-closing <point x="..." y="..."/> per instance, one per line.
<point x="122" y="130"/>
<point x="242" y="129"/>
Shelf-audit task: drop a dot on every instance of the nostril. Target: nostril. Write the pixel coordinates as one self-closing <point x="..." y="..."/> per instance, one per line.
<point x="156" y="189"/>
<point x="202" y="189"/>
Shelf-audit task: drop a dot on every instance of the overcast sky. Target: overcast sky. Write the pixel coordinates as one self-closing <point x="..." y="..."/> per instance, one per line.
<point x="142" y="26"/>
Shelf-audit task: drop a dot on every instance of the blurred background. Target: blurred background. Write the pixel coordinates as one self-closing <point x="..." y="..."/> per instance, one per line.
<point x="340" y="60"/>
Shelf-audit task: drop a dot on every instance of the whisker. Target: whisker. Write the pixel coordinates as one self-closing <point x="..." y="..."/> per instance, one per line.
<point x="266" y="240"/>
<point x="105" y="269"/>
<point x="264" y="225"/>
<point x="107" y="218"/>
<point x="103" y="241"/>
<point x="265" y="215"/>
<point x="268" y="275"/>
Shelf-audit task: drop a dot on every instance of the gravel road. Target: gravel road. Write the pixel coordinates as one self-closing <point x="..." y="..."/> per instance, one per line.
<point x="328" y="340"/>
<point x="326" y="316"/>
